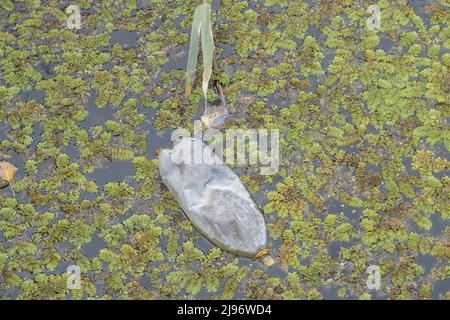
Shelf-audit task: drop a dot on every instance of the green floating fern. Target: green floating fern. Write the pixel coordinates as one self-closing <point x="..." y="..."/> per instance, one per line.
<point x="201" y="30"/>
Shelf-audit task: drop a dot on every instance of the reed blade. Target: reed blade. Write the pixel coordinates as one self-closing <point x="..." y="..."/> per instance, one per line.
<point x="201" y="32"/>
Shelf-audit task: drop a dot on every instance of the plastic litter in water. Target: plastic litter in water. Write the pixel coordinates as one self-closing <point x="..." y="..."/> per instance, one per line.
<point x="214" y="199"/>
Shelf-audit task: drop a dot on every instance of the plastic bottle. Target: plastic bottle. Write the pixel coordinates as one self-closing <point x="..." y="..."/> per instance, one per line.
<point x="214" y="199"/>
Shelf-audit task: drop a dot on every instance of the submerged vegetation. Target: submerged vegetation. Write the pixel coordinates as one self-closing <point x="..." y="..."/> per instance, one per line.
<point x="363" y="121"/>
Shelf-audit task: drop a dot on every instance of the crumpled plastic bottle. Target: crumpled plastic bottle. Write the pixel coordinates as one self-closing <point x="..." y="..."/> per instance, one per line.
<point x="214" y="199"/>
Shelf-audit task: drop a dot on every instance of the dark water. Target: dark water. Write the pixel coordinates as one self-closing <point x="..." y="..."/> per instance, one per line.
<point x="123" y="170"/>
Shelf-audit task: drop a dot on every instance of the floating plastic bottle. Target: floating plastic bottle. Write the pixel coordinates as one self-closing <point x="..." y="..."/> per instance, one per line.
<point x="214" y="199"/>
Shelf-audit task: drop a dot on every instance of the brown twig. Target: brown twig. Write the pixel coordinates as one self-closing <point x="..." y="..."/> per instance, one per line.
<point x="217" y="83"/>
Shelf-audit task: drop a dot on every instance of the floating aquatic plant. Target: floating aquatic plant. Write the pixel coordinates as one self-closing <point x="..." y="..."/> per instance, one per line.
<point x="363" y="176"/>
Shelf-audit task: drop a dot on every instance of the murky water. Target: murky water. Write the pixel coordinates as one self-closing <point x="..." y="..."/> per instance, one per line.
<point x="116" y="170"/>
